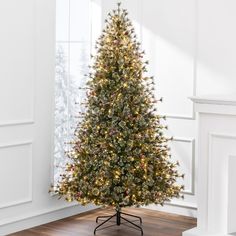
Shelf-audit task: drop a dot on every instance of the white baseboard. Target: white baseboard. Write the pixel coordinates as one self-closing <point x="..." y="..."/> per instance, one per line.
<point x="196" y="232"/>
<point x="188" y="210"/>
<point x="39" y="218"/>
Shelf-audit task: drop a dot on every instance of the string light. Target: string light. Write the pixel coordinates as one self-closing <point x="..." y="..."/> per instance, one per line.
<point x="120" y="141"/>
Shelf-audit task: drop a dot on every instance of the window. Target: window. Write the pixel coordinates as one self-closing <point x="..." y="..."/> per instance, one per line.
<point x="74" y="35"/>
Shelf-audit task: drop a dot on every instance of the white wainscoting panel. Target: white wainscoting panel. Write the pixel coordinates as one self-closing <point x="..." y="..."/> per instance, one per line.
<point x="17" y="47"/>
<point x="15" y="173"/>
<point x="183" y="150"/>
<point x="231" y="194"/>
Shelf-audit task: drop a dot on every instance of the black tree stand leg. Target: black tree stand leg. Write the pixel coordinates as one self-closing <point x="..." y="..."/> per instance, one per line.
<point x="132" y="223"/>
<point x="101" y="217"/>
<point x="109" y="218"/>
<point x="118" y="222"/>
<point x="140" y="219"/>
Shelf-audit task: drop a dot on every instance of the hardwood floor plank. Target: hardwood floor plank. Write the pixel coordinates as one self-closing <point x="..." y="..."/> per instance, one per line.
<point x="155" y="223"/>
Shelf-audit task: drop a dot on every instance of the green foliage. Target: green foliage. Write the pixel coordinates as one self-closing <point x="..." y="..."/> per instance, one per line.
<point x="120" y="155"/>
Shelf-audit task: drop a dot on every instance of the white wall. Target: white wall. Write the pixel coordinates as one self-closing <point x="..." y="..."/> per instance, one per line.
<point x="216" y="68"/>
<point x="27" y="43"/>
<point x="191" y="47"/>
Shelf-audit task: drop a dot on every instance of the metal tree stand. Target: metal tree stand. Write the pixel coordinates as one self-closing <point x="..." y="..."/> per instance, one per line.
<point x="118" y="216"/>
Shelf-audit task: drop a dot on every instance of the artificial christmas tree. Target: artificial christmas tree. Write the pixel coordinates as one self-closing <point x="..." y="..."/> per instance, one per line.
<point x="119" y="156"/>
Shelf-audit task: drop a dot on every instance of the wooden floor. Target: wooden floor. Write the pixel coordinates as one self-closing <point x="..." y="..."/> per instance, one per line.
<point x="154" y="224"/>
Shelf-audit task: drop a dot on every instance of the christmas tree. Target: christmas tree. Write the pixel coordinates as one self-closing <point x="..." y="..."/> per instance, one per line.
<point x="120" y="155"/>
